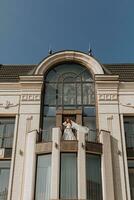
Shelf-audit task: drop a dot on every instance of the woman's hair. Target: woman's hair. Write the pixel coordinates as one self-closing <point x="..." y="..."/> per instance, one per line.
<point x="68" y="120"/>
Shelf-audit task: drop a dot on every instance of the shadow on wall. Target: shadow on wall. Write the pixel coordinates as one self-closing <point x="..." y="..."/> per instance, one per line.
<point x="116" y="169"/>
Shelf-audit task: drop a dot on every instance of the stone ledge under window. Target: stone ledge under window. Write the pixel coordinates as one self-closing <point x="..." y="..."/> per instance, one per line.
<point x="69" y="146"/>
<point x="94" y="147"/>
<point x="45" y="147"/>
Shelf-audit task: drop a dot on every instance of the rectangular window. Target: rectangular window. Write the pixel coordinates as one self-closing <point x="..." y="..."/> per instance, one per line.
<point x="4" y="178"/>
<point x="6" y="132"/>
<point x="129" y="131"/>
<point x="93" y="177"/>
<point x="89" y="120"/>
<point x="68" y="176"/>
<point x="43" y="178"/>
<point x="131" y="177"/>
<point x="48" y="124"/>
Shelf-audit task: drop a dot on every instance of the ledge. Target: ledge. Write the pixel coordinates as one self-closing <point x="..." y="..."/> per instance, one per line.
<point x="44" y="147"/>
<point x="93" y="147"/>
<point x="69" y="146"/>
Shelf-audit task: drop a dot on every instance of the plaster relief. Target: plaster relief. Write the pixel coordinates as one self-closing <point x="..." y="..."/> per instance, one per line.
<point x="7" y="104"/>
<point x="107" y="97"/>
<point x="30" y="97"/>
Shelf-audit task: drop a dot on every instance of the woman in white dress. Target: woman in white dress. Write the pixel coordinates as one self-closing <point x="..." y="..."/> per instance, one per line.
<point x="68" y="133"/>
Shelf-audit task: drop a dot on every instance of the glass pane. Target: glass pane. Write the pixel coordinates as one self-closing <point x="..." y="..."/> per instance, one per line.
<point x="93" y="176"/>
<point x="86" y="76"/>
<point x="88" y="93"/>
<point x="43" y="178"/>
<point x="49" y="111"/>
<point x="79" y="94"/>
<point x="4" y="178"/>
<point x="129" y="131"/>
<point x="50" y="94"/>
<point x="89" y="111"/>
<point x="6" y="132"/>
<point x="68" y="183"/>
<point x="48" y="124"/>
<point x="69" y="94"/>
<point x="90" y="122"/>
<point x="131" y="163"/>
<point x="59" y="95"/>
<point x="52" y="76"/>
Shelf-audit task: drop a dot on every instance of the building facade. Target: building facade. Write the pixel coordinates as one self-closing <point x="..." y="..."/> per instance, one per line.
<point x="37" y="162"/>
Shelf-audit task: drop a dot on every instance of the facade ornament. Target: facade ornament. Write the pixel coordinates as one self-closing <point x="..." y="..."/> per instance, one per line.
<point x="129" y="105"/>
<point x="7" y="104"/>
<point x="108" y="97"/>
<point x="30" y="97"/>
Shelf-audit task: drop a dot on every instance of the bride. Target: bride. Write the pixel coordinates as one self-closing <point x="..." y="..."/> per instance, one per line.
<point x="68" y="133"/>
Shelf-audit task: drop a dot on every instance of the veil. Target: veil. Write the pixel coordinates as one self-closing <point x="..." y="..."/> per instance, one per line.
<point x="79" y="128"/>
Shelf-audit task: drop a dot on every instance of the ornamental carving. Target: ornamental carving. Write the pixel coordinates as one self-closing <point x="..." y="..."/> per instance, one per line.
<point x="107" y="97"/>
<point x="30" y="97"/>
<point x="7" y="104"/>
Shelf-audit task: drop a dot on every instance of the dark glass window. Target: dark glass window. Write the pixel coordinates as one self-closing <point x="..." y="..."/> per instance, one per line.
<point x="6" y="132"/>
<point x="93" y="177"/>
<point x="43" y="177"/>
<point x="66" y="86"/>
<point x="131" y="177"/>
<point x="4" y="178"/>
<point x="129" y="131"/>
<point x="68" y="176"/>
<point x="89" y="120"/>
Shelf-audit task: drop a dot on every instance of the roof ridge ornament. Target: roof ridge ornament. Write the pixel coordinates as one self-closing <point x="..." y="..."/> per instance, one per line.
<point x="50" y="51"/>
<point x="89" y="50"/>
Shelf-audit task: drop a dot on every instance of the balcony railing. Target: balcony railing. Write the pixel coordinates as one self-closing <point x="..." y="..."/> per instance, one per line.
<point x="130" y="141"/>
<point x="46" y="136"/>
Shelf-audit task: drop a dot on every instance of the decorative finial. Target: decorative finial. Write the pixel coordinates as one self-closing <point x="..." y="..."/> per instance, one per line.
<point x="50" y="51"/>
<point x="89" y="50"/>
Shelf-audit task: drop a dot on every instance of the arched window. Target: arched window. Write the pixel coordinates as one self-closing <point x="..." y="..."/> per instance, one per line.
<point x="67" y="86"/>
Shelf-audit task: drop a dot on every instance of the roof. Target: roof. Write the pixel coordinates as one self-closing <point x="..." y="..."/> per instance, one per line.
<point x="125" y="71"/>
<point x="11" y="73"/>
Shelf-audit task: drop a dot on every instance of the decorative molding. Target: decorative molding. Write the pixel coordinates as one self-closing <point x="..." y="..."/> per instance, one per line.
<point x="30" y="97"/>
<point x="7" y="104"/>
<point x="107" y="97"/>
<point x="129" y="105"/>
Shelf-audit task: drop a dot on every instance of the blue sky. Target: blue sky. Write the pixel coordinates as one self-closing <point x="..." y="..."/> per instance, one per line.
<point x="28" y="27"/>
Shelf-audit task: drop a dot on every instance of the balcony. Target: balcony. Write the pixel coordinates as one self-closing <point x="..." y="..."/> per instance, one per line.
<point x="88" y="141"/>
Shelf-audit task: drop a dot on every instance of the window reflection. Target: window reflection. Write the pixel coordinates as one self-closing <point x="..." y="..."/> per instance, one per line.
<point x="4" y="178"/>
<point x="48" y="124"/>
<point x="129" y="131"/>
<point x="69" y="94"/>
<point x="93" y="176"/>
<point x="43" y="179"/>
<point x="131" y="177"/>
<point x="68" y="183"/>
<point x="49" y="111"/>
<point x="6" y="132"/>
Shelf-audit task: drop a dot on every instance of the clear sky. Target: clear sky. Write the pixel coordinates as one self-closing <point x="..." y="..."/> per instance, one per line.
<point x="28" y="27"/>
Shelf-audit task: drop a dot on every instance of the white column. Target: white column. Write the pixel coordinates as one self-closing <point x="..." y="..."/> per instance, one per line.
<point x="107" y="169"/>
<point x="56" y="136"/>
<point x="81" y="167"/>
<point x="29" y="168"/>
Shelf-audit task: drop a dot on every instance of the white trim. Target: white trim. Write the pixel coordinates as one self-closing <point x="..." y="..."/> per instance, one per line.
<point x="64" y="56"/>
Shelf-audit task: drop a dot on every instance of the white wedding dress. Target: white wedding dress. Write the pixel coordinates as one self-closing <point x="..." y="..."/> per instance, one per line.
<point x="68" y="133"/>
